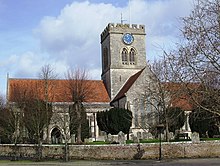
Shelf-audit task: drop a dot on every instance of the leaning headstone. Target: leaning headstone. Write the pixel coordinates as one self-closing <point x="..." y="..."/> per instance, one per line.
<point x="195" y="137"/>
<point x="121" y="138"/>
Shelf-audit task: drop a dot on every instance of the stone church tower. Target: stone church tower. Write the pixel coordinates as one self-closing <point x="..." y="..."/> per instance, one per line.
<point x="123" y="54"/>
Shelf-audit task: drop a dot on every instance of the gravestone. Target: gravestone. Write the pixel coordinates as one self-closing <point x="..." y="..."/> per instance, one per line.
<point x="136" y="140"/>
<point x="195" y="137"/>
<point x="147" y="135"/>
<point x="131" y="136"/>
<point x="73" y="138"/>
<point x="121" y="138"/>
<point x="176" y="133"/>
<point x="105" y="137"/>
<point x="139" y="135"/>
<point x="150" y="136"/>
<point x="109" y="138"/>
<point x="114" y="138"/>
<point x="163" y="137"/>
<point x="86" y="140"/>
<point x="171" y="136"/>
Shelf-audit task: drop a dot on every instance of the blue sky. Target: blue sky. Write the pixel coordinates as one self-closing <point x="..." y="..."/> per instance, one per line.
<point x="66" y="33"/>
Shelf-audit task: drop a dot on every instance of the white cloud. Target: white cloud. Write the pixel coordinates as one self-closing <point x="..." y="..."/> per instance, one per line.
<point x="162" y="20"/>
<point x="74" y="35"/>
<point x="26" y="64"/>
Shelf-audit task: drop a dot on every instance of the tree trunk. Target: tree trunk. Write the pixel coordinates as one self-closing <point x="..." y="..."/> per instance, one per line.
<point x="66" y="152"/>
<point x="79" y="128"/>
<point x="39" y="150"/>
<point x="128" y="136"/>
<point x="15" y="149"/>
<point x="167" y="129"/>
<point x="15" y="154"/>
<point x="39" y="146"/>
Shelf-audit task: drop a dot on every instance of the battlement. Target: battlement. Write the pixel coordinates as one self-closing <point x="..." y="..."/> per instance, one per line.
<point x="122" y="28"/>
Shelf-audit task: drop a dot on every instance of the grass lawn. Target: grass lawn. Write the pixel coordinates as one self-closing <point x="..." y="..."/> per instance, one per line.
<point x="209" y="139"/>
<point x="97" y="143"/>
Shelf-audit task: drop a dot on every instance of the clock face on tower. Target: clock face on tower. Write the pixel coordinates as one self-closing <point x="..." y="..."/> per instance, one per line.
<point x="128" y="38"/>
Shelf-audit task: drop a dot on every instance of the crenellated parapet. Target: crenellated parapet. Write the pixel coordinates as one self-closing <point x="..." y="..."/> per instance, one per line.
<point x="122" y="28"/>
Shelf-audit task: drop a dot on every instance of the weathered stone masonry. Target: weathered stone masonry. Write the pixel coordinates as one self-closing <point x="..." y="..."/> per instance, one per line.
<point x="132" y="151"/>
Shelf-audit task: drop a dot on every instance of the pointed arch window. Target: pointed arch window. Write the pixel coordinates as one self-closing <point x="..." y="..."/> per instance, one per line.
<point x="124" y="56"/>
<point x="132" y="56"/>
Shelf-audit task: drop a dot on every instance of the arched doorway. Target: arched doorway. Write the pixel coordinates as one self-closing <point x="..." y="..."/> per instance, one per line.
<point x="56" y="136"/>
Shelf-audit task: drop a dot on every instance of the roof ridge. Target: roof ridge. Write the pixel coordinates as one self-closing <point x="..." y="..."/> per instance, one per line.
<point x="130" y="81"/>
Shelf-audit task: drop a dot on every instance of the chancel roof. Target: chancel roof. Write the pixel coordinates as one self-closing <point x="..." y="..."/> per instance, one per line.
<point x="127" y="85"/>
<point x="57" y="90"/>
<point x="182" y="94"/>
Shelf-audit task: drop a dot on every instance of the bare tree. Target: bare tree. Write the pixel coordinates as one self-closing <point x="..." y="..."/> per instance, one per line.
<point x="198" y="56"/>
<point x="9" y="124"/>
<point x="2" y="102"/>
<point x="47" y="74"/>
<point x="28" y="99"/>
<point x="161" y="92"/>
<point x="35" y="121"/>
<point x="80" y="91"/>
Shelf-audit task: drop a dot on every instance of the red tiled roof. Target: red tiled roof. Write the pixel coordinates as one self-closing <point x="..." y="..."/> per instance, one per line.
<point x="182" y="93"/>
<point x="58" y="90"/>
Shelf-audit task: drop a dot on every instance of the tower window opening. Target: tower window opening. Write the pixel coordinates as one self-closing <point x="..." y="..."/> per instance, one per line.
<point x="124" y="56"/>
<point x="132" y="56"/>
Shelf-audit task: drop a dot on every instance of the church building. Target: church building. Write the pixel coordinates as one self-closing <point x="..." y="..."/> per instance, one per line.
<point x="125" y="80"/>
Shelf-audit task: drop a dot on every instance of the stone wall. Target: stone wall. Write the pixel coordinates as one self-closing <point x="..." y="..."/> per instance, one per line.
<point x="132" y="151"/>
